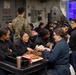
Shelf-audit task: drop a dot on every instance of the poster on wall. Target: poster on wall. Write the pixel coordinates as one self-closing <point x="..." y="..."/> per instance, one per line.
<point x="34" y="16"/>
<point x="6" y="4"/>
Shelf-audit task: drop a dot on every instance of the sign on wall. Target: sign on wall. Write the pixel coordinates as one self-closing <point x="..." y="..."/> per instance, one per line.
<point x="6" y="4"/>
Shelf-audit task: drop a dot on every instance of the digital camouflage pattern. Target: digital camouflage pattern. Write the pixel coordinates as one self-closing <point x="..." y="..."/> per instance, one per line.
<point x="18" y="25"/>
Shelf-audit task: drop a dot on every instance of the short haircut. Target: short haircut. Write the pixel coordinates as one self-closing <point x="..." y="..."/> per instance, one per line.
<point x="21" y="10"/>
<point x="41" y="24"/>
<point x="43" y="32"/>
<point x="3" y="31"/>
<point x="64" y="25"/>
<point x="49" y="23"/>
<point x="74" y="19"/>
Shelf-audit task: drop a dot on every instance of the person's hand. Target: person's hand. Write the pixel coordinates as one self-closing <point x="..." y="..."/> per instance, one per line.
<point x="41" y="48"/>
<point x="36" y="47"/>
<point x="48" y="49"/>
<point x="10" y="50"/>
<point x="29" y="49"/>
<point x="49" y="44"/>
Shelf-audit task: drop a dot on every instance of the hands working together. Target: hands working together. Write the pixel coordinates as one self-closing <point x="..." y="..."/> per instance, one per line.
<point x="42" y="48"/>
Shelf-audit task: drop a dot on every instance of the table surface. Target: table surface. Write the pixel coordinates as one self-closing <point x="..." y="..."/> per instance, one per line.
<point x="11" y="67"/>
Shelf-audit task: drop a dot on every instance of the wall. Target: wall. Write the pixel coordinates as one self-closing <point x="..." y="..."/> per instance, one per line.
<point x="8" y="10"/>
<point x="45" y="8"/>
<point x="34" y="9"/>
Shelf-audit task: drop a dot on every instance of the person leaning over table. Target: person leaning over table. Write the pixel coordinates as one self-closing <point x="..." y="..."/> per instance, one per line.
<point x="23" y="44"/>
<point x="43" y="38"/>
<point x="6" y="46"/>
<point x="59" y="55"/>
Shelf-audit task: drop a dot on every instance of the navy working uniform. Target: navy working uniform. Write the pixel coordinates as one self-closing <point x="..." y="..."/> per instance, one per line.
<point x="60" y="58"/>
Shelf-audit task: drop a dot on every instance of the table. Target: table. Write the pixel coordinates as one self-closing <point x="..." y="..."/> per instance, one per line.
<point x="11" y="67"/>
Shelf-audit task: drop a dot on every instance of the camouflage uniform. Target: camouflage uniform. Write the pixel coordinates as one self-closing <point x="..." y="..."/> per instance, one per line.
<point x="18" y="25"/>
